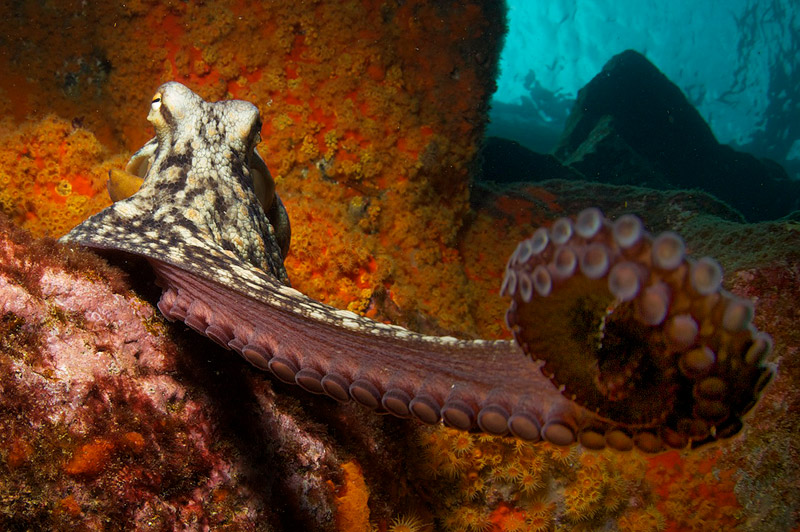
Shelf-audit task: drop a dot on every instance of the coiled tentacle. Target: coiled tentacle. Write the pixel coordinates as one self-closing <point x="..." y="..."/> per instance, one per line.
<point x="635" y="331"/>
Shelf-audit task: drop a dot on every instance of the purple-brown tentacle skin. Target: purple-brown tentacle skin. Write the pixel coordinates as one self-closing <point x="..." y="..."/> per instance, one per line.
<point x="636" y="332"/>
<point x="647" y="348"/>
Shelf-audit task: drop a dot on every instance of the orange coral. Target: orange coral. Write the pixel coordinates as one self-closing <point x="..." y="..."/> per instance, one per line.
<point x="51" y="176"/>
<point x="19" y="453"/>
<point x="352" y="96"/>
<point x="133" y="441"/>
<point x="531" y="486"/>
<point x="508" y="519"/>
<point x="351" y="500"/>
<point x="68" y="506"/>
<point x="694" y="494"/>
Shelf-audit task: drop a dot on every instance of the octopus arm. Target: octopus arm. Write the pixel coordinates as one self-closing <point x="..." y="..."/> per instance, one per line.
<point x="482" y="385"/>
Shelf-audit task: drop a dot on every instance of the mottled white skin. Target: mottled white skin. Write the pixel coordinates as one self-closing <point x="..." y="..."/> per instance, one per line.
<point x="200" y="225"/>
<point x="197" y="197"/>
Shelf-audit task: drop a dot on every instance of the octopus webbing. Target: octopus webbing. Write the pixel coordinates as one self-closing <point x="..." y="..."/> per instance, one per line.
<point x="620" y="340"/>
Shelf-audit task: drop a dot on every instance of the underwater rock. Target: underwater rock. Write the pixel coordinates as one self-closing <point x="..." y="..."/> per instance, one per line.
<point x="632" y="125"/>
<point x="506" y="161"/>
<point x="111" y="420"/>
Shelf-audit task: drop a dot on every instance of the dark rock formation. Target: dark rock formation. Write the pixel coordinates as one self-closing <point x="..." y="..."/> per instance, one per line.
<point x="632" y="125"/>
<point x="508" y="161"/>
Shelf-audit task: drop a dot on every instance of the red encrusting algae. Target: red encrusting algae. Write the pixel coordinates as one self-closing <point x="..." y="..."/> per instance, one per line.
<point x="90" y="458"/>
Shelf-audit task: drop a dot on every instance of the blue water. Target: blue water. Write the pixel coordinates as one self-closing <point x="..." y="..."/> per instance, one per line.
<point x="737" y="61"/>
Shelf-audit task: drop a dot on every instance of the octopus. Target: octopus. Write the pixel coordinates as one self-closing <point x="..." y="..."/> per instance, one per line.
<point x="620" y="340"/>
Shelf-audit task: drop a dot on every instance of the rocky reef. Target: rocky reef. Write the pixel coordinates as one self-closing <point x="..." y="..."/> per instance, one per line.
<point x="105" y="429"/>
<point x="117" y="420"/>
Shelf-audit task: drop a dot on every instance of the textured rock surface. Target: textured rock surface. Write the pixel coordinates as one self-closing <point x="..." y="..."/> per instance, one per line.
<point x="110" y="424"/>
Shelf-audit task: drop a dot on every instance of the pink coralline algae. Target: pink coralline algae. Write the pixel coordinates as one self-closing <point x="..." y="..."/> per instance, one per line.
<point x="108" y="426"/>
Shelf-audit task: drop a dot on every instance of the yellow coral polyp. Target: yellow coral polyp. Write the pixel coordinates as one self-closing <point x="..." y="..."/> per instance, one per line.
<point x="615" y="498"/>
<point x="534" y="459"/>
<point x="308" y="149"/>
<point x="587" y="480"/>
<point x="474" y="488"/>
<point x="540" y="507"/>
<point x="577" y="507"/>
<point x="349" y="168"/>
<point x="529" y="482"/>
<point x="589" y="459"/>
<point x="64" y="188"/>
<point x="644" y="520"/>
<point x="282" y="121"/>
<point x="592" y="496"/>
<point x="331" y="140"/>
<point x="53" y="175"/>
<point x="452" y="465"/>
<point x="538" y="523"/>
<point x="76" y="205"/>
<point x="512" y="471"/>
<point x="563" y="455"/>
<point x="406" y="523"/>
<point x="462" y="443"/>
<point x="473" y="519"/>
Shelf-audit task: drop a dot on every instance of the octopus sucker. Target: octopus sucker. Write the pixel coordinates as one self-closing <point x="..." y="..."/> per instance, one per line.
<point x="620" y="340"/>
